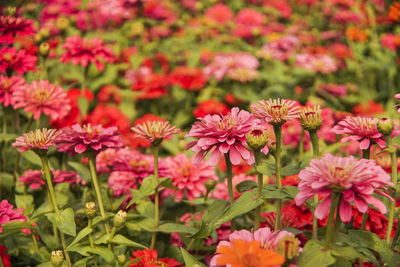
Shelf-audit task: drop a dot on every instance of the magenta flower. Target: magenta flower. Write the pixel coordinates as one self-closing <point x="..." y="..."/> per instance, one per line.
<point x="276" y="111"/>
<point x="77" y="139"/>
<point x="7" y="87"/>
<point x="42" y="96"/>
<point x="356" y="180"/>
<point x="38" y="140"/>
<point x="35" y="181"/>
<point x="360" y="129"/>
<point x="19" y="61"/>
<point x="155" y="130"/>
<point x="222" y="134"/>
<point x="12" y="26"/>
<point x="7" y="214"/>
<point x="84" y="51"/>
<point x="188" y="177"/>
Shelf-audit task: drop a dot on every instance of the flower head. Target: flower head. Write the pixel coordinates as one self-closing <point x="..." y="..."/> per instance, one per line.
<point x="77" y="139"/>
<point x="155" y="131"/>
<point x="12" y="26"/>
<point x="310" y="118"/>
<point x="7" y="87"/>
<point x="354" y="179"/>
<point x="84" y="51"/>
<point x="361" y="129"/>
<point x="19" y="61"/>
<point x="38" y="140"/>
<point x="149" y="257"/>
<point x="275" y="111"/>
<point x="7" y="214"/>
<point x="222" y="134"/>
<point x="42" y="96"/>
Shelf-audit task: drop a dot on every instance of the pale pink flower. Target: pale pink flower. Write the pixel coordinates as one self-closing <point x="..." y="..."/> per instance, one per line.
<point x="280" y="49"/>
<point x="318" y="63"/>
<point x="276" y="111"/>
<point x="188" y="177"/>
<point x="42" y="96"/>
<point x="121" y="182"/>
<point x="83" y="51"/>
<point x="77" y="139"/>
<point x="356" y="180"/>
<point x="7" y="214"/>
<point x="38" y="140"/>
<point x="267" y="239"/>
<point x="243" y="75"/>
<point x="155" y="130"/>
<point x="222" y="134"/>
<point x="221" y="189"/>
<point x="361" y="129"/>
<point x="334" y="89"/>
<point x="7" y="87"/>
<point x="105" y="160"/>
<point x="223" y="63"/>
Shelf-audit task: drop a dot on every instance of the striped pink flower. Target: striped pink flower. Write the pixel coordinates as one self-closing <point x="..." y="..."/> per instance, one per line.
<point x="38" y="140"/>
<point x="155" y="130"/>
<point x="276" y="111"/>
<point x="219" y="135"/>
<point x="356" y="180"/>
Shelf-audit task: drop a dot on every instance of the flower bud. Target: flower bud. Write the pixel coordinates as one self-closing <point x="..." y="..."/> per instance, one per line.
<point x="120" y="218"/>
<point x="44" y="33"/>
<point x="210" y="184"/>
<point x="10" y="10"/>
<point x="310" y="118"/>
<point x="57" y="258"/>
<point x="121" y="259"/>
<point x="62" y="23"/>
<point x="44" y="49"/>
<point x="257" y="139"/>
<point x="288" y="246"/>
<point x="385" y="126"/>
<point x="90" y="210"/>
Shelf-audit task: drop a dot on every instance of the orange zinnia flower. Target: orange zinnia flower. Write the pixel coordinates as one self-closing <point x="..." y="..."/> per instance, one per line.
<point x="394" y="11"/>
<point x="355" y="34"/>
<point x="248" y="254"/>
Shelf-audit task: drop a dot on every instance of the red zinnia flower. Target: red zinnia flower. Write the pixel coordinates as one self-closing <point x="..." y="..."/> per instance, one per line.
<point x="151" y="86"/>
<point x="109" y="116"/>
<point x="5" y="258"/>
<point x="109" y="93"/>
<point x="210" y="107"/>
<point x="148" y="258"/>
<point x="11" y="26"/>
<point x="19" y="61"/>
<point x="188" y="78"/>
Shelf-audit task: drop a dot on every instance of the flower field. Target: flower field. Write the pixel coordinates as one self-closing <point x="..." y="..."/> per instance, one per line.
<point x="240" y="133"/>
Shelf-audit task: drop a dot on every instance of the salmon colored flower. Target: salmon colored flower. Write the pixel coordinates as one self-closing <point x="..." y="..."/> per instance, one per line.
<point x="38" y="140"/>
<point x="155" y="130"/>
<point x="7" y="87"/>
<point x="219" y="135"/>
<point x="11" y="26"/>
<point x="42" y="96"/>
<point x="356" y="180"/>
<point x="276" y="111"/>
<point x="247" y="254"/>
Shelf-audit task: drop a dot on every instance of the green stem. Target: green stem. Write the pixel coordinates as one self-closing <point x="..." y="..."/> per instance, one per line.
<point x="301" y="144"/>
<point x="366" y="155"/>
<point x="4" y="120"/>
<point x="338" y="222"/>
<point x="34" y="241"/>
<point x="84" y="80"/>
<point x="278" y="151"/>
<point x="113" y="230"/>
<point x="18" y="157"/>
<point x="396" y="236"/>
<point x="315" y="148"/>
<point x="90" y="221"/>
<point x="47" y="174"/>
<point x="156" y="198"/>
<point x="394" y="181"/>
<point x="257" y="158"/>
<point x="229" y="175"/>
<point x="334" y="204"/>
<point x="96" y="185"/>
<point x="190" y="244"/>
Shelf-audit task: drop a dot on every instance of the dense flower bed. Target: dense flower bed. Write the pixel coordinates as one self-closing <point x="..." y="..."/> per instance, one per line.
<point x="199" y="133"/>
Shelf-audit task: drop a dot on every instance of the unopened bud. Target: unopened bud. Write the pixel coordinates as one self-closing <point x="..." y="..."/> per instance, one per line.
<point x="120" y="218"/>
<point x="10" y="10"/>
<point x="385" y="126"/>
<point x="310" y="118"/>
<point x="62" y="23"/>
<point x="90" y="210"/>
<point x="257" y="139"/>
<point x="288" y="246"/>
<point x="38" y="38"/>
<point x="121" y="259"/>
<point x="210" y="184"/>
<point x="45" y="33"/>
<point x="57" y="258"/>
<point x="44" y="49"/>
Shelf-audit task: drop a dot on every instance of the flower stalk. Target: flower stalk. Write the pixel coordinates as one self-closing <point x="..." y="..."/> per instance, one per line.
<point x="156" y="196"/>
<point x="278" y="150"/>
<point x="259" y="190"/>
<point x="366" y="155"/>
<point x="334" y="203"/>
<point x="315" y="147"/>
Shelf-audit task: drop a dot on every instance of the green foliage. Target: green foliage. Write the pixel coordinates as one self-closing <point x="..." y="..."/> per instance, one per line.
<point x="65" y="221"/>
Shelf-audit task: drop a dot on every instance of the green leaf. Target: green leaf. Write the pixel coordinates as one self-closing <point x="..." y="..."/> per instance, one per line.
<point x="103" y="252"/>
<point x="122" y="240"/>
<point x="176" y="228"/>
<point x="264" y="169"/>
<point x="347" y="253"/>
<point x="290" y="169"/>
<point x="83" y="250"/>
<point x="191" y="261"/>
<point x="65" y="222"/>
<point x="25" y="202"/>
<point x="84" y="232"/>
<point x="246" y="186"/>
<point x="314" y="254"/>
<point x="167" y="183"/>
<point x="271" y="191"/>
<point x="7" y="137"/>
<point x="31" y="156"/>
<point x="7" y="180"/>
<point x="81" y="169"/>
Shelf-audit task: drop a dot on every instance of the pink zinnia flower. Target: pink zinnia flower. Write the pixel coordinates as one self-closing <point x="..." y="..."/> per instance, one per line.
<point x="356" y="180"/>
<point x="334" y="89"/>
<point x="219" y="13"/>
<point x="77" y="139"/>
<point x="318" y="63"/>
<point x="361" y="129"/>
<point x="276" y="111"/>
<point x="42" y="96"/>
<point x="222" y="134"/>
<point x="38" y="140"/>
<point x="267" y="239"/>
<point x="224" y="63"/>
<point x="12" y="26"/>
<point x="248" y="21"/>
<point x="7" y="87"/>
<point x="221" y="189"/>
<point x="397" y="97"/>
<point x="280" y="49"/>
<point x="188" y="177"/>
<point x="121" y="182"/>
<point x="155" y="130"/>
<point x="35" y="181"/>
<point x="105" y="160"/>
<point x="84" y="51"/>
<point x="7" y="214"/>
<point x="19" y="61"/>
